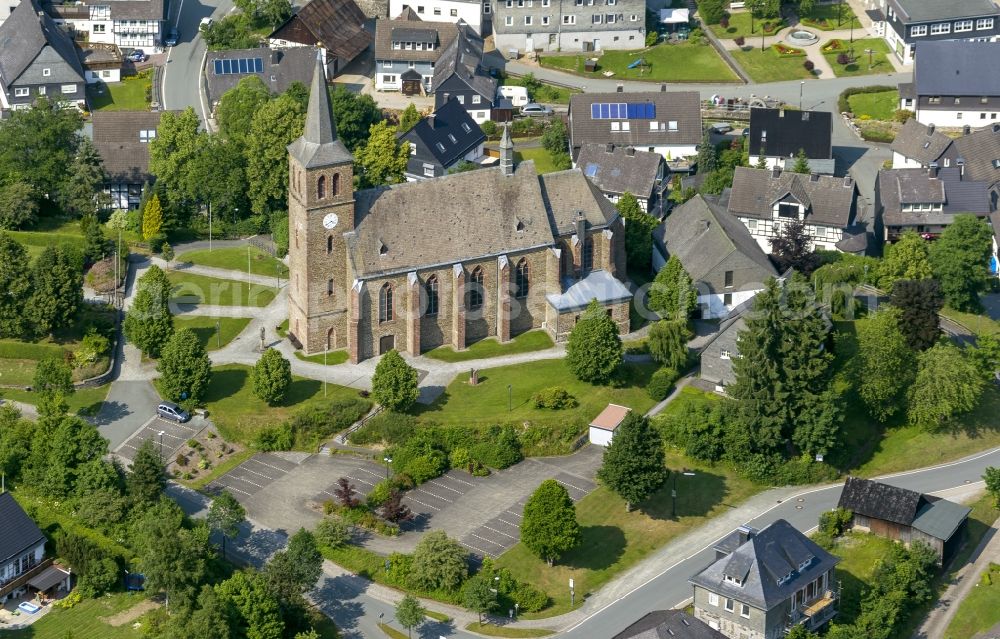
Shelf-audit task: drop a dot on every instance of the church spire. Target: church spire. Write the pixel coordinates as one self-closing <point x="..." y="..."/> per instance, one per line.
<point x="319" y="145"/>
<point x="506" y="152"/>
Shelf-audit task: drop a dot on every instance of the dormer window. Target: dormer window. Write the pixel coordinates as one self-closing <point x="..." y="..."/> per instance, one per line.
<point x="520" y="226"/>
<point x="466" y="127"/>
<point x="734" y="580"/>
<point x="383" y="249"/>
<point x="805" y="564"/>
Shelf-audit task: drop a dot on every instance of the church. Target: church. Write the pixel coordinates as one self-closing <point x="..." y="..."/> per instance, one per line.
<point x="493" y="252"/>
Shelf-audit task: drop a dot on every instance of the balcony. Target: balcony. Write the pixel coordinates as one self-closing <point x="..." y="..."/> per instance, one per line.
<point x="24" y="577"/>
<point x="815" y="613"/>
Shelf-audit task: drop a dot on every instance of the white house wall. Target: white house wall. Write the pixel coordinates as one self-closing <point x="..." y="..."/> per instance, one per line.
<point x="103" y="75"/>
<point x="823" y="237"/>
<point x="566" y="40"/>
<point x="900" y="161"/>
<point x="442" y="11"/>
<point x="957" y="118"/>
<point x="713" y="305"/>
<point x="600" y="437"/>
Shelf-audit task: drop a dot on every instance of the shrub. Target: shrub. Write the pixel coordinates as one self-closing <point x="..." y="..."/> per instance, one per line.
<point x="902" y="115"/>
<point x="740" y="41"/>
<point x="834" y="522"/>
<point x="724" y="22"/>
<point x="489" y="129"/>
<point x="333" y="532"/>
<point x="843" y="58"/>
<point x="661" y="382"/>
<point x="271" y="377"/>
<point x="426" y="467"/>
<point x="181" y="460"/>
<point x="554" y="398"/>
<point x="529" y="598"/>
<point x="272" y="438"/>
<point x="843" y="103"/>
<point x="500" y="449"/>
<point x="379" y="494"/>
<point x="651" y="38"/>
<point x="809" y="65"/>
<point x="388" y="427"/>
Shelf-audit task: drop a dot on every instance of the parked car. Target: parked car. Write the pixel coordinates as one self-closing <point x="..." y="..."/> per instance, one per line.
<point x="746" y="131"/>
<point x="535" y="109"/>
<point x="205" y="24"/>
<point x="172" y="36"/>
<point x="722" y="127"/>
<point x="137" y="55"/>
<point x="170" y="410"/>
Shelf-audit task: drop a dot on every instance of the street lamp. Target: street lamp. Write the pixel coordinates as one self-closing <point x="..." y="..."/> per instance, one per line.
<point x="802" y="85"/>
<point x="162" y="433"/>
<point x="852" y="28"/>
<point x="673" y="493"/>
<point x="510" y="406"/>
<point x="387" y="460"/>
<point x="870" y="52"/>
<point x="218" y="333"/>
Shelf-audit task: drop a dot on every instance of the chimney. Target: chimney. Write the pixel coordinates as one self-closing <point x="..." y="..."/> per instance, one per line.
<point x="775" y="171"/>
<point x="609" y="148"/>
<point x="663" y="88"/>
<point x="932" y="169"/>
<point x="930" y="129"/>
<point x="814" y="177"/>
<point x="581" y="226"/>
<point x="960" y="163"/>
<point x="781" y="113"/>
<point x="996" y="128"/>
<point x="620" y="88"/>
<point x="745" y="533"/>
<point x="966" y="130"/>
<point x="630" y="151"/>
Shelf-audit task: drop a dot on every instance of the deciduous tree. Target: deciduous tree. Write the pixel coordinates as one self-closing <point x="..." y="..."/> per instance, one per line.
<point x="272" y="375"/>
<point x="173" y="558"/>
<point x="295" y="570"/>
<point x="184" y="367"/>
<point x="906" y="259"/>
<point x="382" y="159"/>
<point x="225" y="516"/>
<point x="18" y="205"/>
<point x="15" y="282"/>
<point x="146" y="480"/>
<point x="992" y="480"/>
<point x="594" y="349"/>
<point x="438" y="562"/>
<point x="555" y="139"/>
<point x="960" y="260"/>
<point x="38" y="145"/>
<point x="479" y="595"/>
<point x="276" y="125"/>
<point x="57" y="290"/>
<point x="549" y="527"/>
<point x="711" y="11"/>
<point x="355" y="114"/>
<point x="394" y="384"/>
<point x="633" y="465"/>
<point x="793" y="248"/>
<point x="410" y="614"/>
<point x="639" y="227"/>
<point x="148" y="323"/>
<point x="668" y="343"/>
<point x="919" y="302"/>
<point x="238" y="106"/>
<point x="886" y="363"/>
<point x="948" y="384"/>
<point x="177" y="141"/>
<point x="673" y="295"/>
<point x="253" y="610"/>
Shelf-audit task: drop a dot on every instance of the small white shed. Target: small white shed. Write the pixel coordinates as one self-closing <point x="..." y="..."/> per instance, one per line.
<point x="602" y="429"/>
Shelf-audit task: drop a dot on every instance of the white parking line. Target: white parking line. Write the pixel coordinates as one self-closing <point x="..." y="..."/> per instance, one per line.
<point x="477" y="549"/>
<point x="518" y="526"/>
<point x="500" y="532"/>
<point x="242" y="479"/>
<point x="489" y="541"/>
<point x="371" y="472"/>
<point x="257" y="461"/>
<point x="458" y="479"/>
<point x="438" y="483"/>
<point x="257" y="473"/>
<point x="427" y="492"/>
<point x="362" y="481"/>
<point x="422" y="503"/>
<point x="228" y="487"/>
<point x="566" y="483"/>
<point x="166" y="434"/>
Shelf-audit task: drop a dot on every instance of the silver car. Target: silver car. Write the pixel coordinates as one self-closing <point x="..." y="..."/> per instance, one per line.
<point x="173" y="412"/>
<point x="535" y="109"/>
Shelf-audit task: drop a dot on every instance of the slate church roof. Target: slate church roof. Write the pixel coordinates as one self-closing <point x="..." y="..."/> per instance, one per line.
<point x="319" y="145"/>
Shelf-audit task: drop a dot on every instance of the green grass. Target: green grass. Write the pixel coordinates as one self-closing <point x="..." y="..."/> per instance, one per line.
<point x="770" y="66"/>
<point x="239" y="414"/>
<point x="235" y="259"/>
<point x="49" y="232"/>
<point x="486" y="403"/>
<point x="877" y="106"/>
<point x="332" y="358"/>
<point x="980" y="324"/>
<point x="392" y="632"/>
<point x="85" y="401"/>
<point x="683" y="62"/>
<point x="880" y="60"/>
<point x="548" y="93"/>
<point x="523" y="343"/>
<point x="190" y="288"/>
<point x="127" y="95"/>
<point x="218" y="470"/>
<point x="492" y="630"/>
<point x="824" y="17"/>
<point x="83" y="621"/>
<point x="739" y="25"/>
<point x="541" y="158"/>
<point x="204" y="327"/>
<point x="437" y="616"/>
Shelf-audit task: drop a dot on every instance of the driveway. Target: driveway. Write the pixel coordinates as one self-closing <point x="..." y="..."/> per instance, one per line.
<point x="129" y="405"/>
<point x="182" y="70"/>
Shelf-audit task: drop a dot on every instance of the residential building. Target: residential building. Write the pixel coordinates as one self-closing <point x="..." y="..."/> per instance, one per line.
<point x="726" y="265"/>
<point x="441" y="141"/>
<point x="22" y="544"/>
<point x="926" y="200"/>
<point x="718" y="354"/>
<point x="123" y="23"/>
<point x="904" y="515"/>
<point x="602" y="429"/>
<point x="122" y="138"/>
<point x="904" y="23"/>
<point x="459" y="73"/>
<point x="764" y="582"/>
<point x="468" y="11"/>
<point x="951" y="86"/>
<point x="779" y="135"/>
<point x="335" y="26"/>
<point x="667" y="123"/>
<point x="37" y="58"/>
<point x="406" y="49"/>
<point x="277" y="68"/>
<point x="765" y="199"/>
<point x="7" y="7"/>
<point x="524" y="26"/>
<point x="669" y="624"/>
<point x="917" y="145"/>
<point x="493" y="252"/>
<point x="619" y="170"/>
<point x="101" y="62"/>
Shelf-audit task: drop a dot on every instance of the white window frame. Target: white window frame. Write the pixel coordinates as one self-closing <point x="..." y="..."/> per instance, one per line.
<point x="545" y="21"/>
<point x="437" y="11"/>
<point x="961" y="26"/>
<point x="476" y="99"/>
<point x="635" y="18"/>
<point x="67" y="89"/>
<point x="725" y="354"/>
<point x="387" y="64"/>
<point x="389" y="78"/>
<point x="625" y="125"/>
<point x="615" y="126"/>
<point x="527" y="21"/>
<point x="428" y="170"/>
<point x="609" y="19"/>
<point x="672" y="125"/>
<point x="984" y="23"/>
<point x="730" y="604"/>
<point x="597" y="18"/>
<point x="42" y="90"/>
<point x="453" y="13"/>
<point x="508" y="21"/>
<point x="569" y="19"/>
<point x="744" y="611"/>
<point x="713" y="599"/>
<point x="461" y="99"/>
<point x="46" y="73"/>
<point x="918" y="30"/>
<point x="940" y="28"/>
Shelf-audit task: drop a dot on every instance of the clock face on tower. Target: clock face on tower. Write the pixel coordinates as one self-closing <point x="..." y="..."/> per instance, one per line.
<point x="330" y="221"/>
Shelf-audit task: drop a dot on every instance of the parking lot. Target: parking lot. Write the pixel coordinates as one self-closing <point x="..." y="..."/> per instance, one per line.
<point x="173" y="436"/>
<point x="253" y="475"/>
<point x="502" y="532"/>
<point x="363" y="477"/>
<point x="437" y="494"/>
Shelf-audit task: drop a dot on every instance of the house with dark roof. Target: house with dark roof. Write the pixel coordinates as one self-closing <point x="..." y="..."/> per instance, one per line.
<point x="122" y="138"/>
<point x="926" y="201"/>
<point x="917" y="145"/>
<point x="951" y="86"/>
<point x="663" y="122"/>
<point x="37" y="58"/>
<point x="459" y="73"/>
<point x="526" y="26"/>
<point x="406" y="50"/>
<point x="335" y="26"/>
<point x="122" y="23"/>
<point x="619" y="170"/>
<point x="906" y="23"/>
<point x="766" y="199"/>
<point x="472" y="12"/>
<point x="904" y="515"/>
<point x="764" y="582"/>
<point x="277" y="68"/>
<point x="725" y="263"/>
<point x="22" y="547"/>
<point x="441" y="141"/>
<point x="779" y="135"/>
<point x="669" y="624"/>
<point x="718" y="354"/>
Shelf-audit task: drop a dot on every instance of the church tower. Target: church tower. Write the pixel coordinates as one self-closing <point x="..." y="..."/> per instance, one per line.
<point x="320" y="211"/>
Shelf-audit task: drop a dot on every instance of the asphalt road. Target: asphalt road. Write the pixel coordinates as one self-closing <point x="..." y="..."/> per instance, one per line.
<point x="182" y="71"/>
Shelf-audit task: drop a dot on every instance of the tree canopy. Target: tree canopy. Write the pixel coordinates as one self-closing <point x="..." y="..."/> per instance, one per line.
<point x="673" y="295"/>
<point x="960" y="260"/>
<point x="634" y="465"/>
<point x="394" y="384"/>
<point x="549" y="527"/>
<point x="948" y="384"/>
<point x="594" y="349"/>
<point x="887" y="363"/>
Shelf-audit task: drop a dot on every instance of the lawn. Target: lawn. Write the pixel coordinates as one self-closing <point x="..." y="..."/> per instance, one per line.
<point x="739" y="25"/>
<point x="486" y="403"/>
<point x="770" y="66"/>
<point x="979" y="324"/>
<point x="825" y="17"/>
<point x="879" y="61"/>
<point x="205" y="328"/>
<point x="49" y="232"/>
<point x="978" y="612"/>
<point x="493" y="630"/>
<point x="235" y="259"/>
<point x="489" y="347"/>
<point x="190" y="288"/>
<point x="330" y="359"/>
<point x="84" y="401"/>
<point x="877" y="106"/>
<point x="548" y="93"/>
<point x="858" y="554"/>
<point x="538" y="155"/>
<point x="684" y="62"/>
<point x="83" y="621"/>
<point x="238" y="413"/>
<point x="131" y="94"/>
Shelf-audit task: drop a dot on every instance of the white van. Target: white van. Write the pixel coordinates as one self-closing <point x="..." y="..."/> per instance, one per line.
<point x="517" y="95"/>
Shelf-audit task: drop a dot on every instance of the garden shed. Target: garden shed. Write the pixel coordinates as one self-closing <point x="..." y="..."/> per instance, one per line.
<point x="602" y="429"/>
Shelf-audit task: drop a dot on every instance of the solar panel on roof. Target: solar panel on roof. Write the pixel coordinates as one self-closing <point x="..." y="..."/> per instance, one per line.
<point x="622" y="111"/>
<point x="218" y="67"/>
<point x="258" y="65"/>
<point x="591" y="170"/>
<point x="238" y="66"/>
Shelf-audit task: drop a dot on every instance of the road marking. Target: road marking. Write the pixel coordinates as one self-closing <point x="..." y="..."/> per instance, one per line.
<point x="489" y="541"/>
<point x="256" y="473"/>
<point x="363" y="481"/>
<point x="500" y="532"/>
<point x="219" y="482"/>
<point x="263" y="463"/>
<point x="430" y="494"/>
<point x="467" y="483"/>
<point x="422" y="503"/>
<point x="437" y="483"/>
<point x="370" y="472"/>
<point x="518" y="526"/>
<point x="477" y="549"/>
